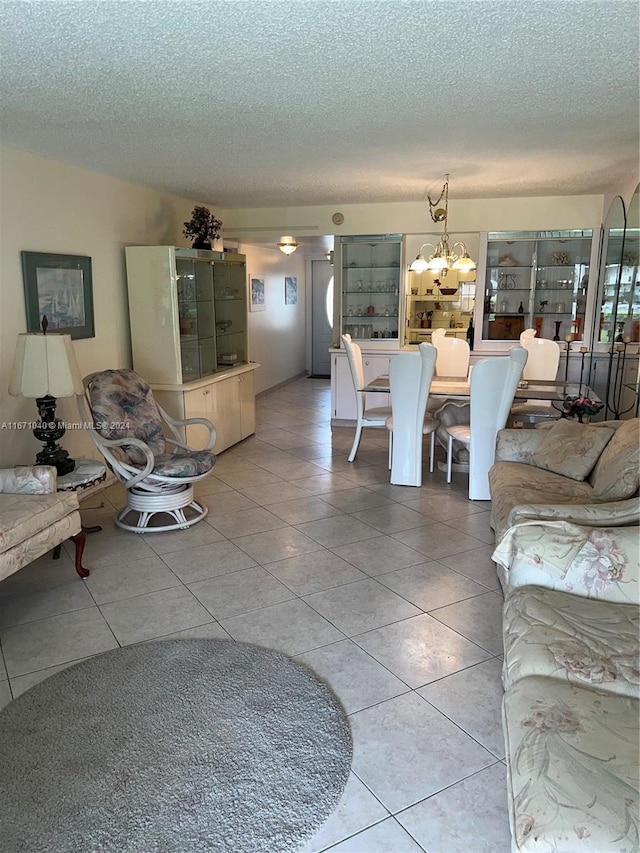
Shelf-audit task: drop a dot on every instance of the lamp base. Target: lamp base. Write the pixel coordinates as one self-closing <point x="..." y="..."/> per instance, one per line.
<point x="58" y="457"/>
<point x="48" y="431"/>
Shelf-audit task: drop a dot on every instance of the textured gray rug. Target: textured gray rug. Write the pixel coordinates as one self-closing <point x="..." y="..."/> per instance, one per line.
<point x="171" y="747"/>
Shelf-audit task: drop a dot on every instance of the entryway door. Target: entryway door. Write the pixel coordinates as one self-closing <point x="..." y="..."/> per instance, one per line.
<point x="321" y="317"/>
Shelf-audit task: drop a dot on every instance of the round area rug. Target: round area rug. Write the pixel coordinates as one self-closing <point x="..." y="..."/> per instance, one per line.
<point x="172" y="746"/>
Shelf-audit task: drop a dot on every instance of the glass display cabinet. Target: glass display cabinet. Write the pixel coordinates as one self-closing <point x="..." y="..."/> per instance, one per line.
<point x="437" y="302"/>
<point x="536" y="280"/>
<point x="187" y="310"/>
<point x="370" y="286"/>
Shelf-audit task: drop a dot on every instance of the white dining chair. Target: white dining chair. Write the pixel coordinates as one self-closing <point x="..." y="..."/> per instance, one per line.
<point x="543" y="361"/>
<point x="410" y="375"/>
<point x="366" y="417"/>
<point x="493" y="386"/>
<point x="453" y="354"/>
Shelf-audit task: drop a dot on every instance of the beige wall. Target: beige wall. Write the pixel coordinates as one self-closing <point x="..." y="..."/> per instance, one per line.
<point x="465" y="216"/>
<point x="48" y="206"/>
<point x="277" y="334"/>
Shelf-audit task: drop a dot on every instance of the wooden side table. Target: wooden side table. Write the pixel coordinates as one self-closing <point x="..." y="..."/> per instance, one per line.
<point x="89" y="476"/>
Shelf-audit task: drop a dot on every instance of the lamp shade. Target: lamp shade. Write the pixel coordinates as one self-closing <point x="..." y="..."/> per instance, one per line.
<point x="287" y="245"/>
<point x="45" y="364"/>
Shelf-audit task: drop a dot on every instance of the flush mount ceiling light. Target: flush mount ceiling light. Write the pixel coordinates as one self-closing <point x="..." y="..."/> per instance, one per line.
<point x="443" y="258"/>
<point x="287" y="245"/>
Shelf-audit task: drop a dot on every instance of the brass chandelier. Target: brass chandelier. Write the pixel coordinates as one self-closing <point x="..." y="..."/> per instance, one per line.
<point x="443" y="258"/>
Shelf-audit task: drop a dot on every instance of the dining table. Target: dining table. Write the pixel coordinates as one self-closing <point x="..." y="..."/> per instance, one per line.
<point x="455" y="394"/>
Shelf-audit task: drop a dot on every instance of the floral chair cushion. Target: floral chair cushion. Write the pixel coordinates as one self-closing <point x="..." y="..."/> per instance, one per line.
<point x="184" y="463"/>
<point x="571" y="449"/>
<point x="559" y="635"/>
<point x="123" y="407"/>
<point x="572" y="754"/>
<point x="617" y="473"/>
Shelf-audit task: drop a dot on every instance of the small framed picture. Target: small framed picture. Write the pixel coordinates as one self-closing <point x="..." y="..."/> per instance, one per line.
<point x="256" y="293"/>
<point x="290" y="290"/>
<point x="58" y="287"/>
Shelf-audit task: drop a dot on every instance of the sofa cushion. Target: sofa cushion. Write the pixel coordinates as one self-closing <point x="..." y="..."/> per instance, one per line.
<point x="572" y="756"/>
<point x="617" y="472"/>
<point x="571" y="449"/>
<point x="21" y="516"/>
<point x="593" y="562"/>
<point x="559" y="635"/>
<point x="513" y="483"/>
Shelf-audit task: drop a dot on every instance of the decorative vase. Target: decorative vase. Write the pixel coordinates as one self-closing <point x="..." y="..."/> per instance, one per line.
<point x="201" y="243"/>
<point x="556" y="337"/>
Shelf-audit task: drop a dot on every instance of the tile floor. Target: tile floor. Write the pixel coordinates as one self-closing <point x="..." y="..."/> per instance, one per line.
<point x="389" y="593"/>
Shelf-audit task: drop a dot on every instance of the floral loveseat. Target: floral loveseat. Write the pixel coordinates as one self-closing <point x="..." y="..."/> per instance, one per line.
<point x="34" y="517"/>
<point x="571" y="667"/>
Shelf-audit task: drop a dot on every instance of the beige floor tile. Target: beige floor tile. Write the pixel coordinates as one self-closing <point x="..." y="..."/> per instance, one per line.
<point x="420" y="650"/>
<point x="240" y="592"/>
<point x="135" y="577"/>
<point x="356" y="678"/>
<point x="404" y="751"/>
<point x="208" y="561"/>
<point x="339" y="530"/>
<point x="357" y="810"/>
<point x="243" y="522"/>
<point x="385" y="837"/>
<point x="356" y="500"/>
<point x="361" y="606"/>
<point x="475" y="564"/>
<point x="391" y="518"/>
<point x="55" y="640"/>
<point x="154" y="614"/>
<point x="377" y="555"/>
<point x="437" y="540"/>
<point x="430" y="585"/>
<point x="291" y="627"/>
<point x="314" y="572"/>
<point x="473" y="700"/>
<point x="469" y="816"/>
<point x="479" y="619"/>
<point x="274" y="545"/>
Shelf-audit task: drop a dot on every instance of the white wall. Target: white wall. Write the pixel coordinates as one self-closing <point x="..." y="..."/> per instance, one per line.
<point x="277" y="334"/>
<point x="47" y="206"/>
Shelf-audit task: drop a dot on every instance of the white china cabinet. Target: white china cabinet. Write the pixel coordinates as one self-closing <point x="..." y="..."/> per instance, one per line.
<point x="188" y="320"/>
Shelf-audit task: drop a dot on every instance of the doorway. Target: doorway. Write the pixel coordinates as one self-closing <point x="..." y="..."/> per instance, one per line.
<point x="321" y="317"/>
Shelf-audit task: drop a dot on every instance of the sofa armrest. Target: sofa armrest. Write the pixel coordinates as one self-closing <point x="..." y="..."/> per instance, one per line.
<point x="594" y="562"/>
<point x="517" y="445"/>
<point x="605" y="514"/>
<point x="28" y="480"/>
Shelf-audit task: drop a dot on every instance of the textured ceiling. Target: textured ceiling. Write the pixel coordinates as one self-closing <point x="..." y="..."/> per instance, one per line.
<point x="272" y="103"/>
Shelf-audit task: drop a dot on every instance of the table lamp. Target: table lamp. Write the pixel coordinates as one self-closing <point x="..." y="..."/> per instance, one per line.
<point x="44" y="368"/>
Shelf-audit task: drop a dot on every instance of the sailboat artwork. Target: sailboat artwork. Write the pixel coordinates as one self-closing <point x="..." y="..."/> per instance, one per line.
<point x="61" y="296"/>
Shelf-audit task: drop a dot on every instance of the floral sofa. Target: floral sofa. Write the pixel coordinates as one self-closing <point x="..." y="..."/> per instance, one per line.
<point x="35" y="518"/>
<point x="571" y="672"/>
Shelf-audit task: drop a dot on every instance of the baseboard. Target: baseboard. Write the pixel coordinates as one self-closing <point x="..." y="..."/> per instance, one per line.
<point x="281" y="384"/>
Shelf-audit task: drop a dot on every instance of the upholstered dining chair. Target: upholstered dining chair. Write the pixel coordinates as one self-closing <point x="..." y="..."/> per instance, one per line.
<point x="366" y="417"/>
<point x="410" y="376"/>
<point x="143" y="447"/>
<point x="453" y="354"/>
<point x="493" y="385"/>
<point x="543" y="361"/>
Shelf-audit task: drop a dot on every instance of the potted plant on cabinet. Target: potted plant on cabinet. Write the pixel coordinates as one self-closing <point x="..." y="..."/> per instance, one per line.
<point x="202" y="228"/>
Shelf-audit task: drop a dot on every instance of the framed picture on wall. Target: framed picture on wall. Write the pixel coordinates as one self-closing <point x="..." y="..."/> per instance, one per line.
<point x="59" y="287"/>
<point x="290" y="290"/>
<point x="256" y="293"/>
